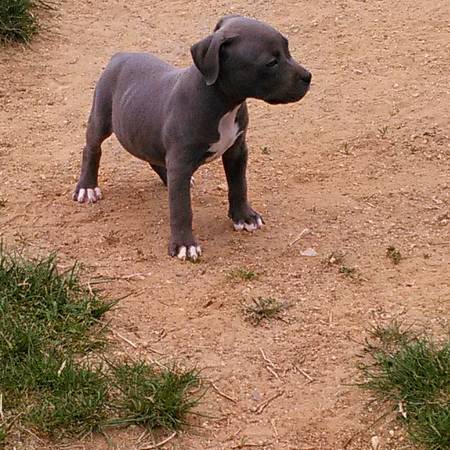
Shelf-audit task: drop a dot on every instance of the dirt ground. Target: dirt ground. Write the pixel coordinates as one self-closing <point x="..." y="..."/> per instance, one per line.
<point x="362" y="162"/>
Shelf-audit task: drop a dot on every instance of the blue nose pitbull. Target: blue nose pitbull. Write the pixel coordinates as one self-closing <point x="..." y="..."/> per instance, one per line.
<point x="179" y="119"/>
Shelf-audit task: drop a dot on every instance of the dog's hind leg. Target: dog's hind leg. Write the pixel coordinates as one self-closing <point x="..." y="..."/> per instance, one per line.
<point x="99" y="128"/>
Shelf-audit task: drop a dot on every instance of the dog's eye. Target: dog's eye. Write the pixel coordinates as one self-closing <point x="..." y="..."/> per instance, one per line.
<point x="272" y="63"/>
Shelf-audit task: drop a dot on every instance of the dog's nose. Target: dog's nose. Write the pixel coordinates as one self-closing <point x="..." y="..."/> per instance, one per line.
<point x="303" y="74"/>
<point x="306" y="77"/>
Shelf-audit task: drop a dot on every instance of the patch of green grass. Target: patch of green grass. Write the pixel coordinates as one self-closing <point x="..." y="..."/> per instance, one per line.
<point x="413" y="373"/>
<point x="18" y="22"/>
<point x="2" y="434"/>
<point x="42" y="309"/>
<point x="336" y="259"/>
<point x="264" y="308"/>
<point x="383" y="131"/>
<point x="68" y="397"/>
<point x="394" y="254"/>
<point x="154" y="398"/>
<point x="345" y="148"/>
<point x="348" y="271"/>
<point x="47" y="318"/>
<point x="242" y="274"/>
<point x="389" y="337"/>
<point x="52" y="376"/>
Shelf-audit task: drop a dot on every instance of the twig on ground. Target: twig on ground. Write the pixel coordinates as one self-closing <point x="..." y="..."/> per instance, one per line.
<point x="275" y="431"/>
<point x="138" y="276"/>
<point x="260" y="408"/>
<point x="73" y="447"/>
<point x="368" y="427"/>
<point x="159" y="444"/>
<point x="124" y="339"/>
<point x="306" y="375"/>
<point x="159" y="364"/>
<point x="222" y="394"/>
<point x="250" y="444"/>
<point x="13" y="421"/>
<point x="154" y="350"/>
<point x="271" y="366"/>
<point x="265" y="357"/>
<point x="46" y="5"/>
<point x="161" y="335"/>
<point x="107" y="279"/>
<point x="273" y="372"/>
<point x="61" y="368"/>
<point x="91" y="291"/>
<point x="31" y="434"/>
<point x="141" y="437"/>
<point x="304" y="231"/>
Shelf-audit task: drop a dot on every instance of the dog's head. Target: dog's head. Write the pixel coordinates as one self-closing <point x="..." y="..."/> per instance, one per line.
<point x="248" y="58"/>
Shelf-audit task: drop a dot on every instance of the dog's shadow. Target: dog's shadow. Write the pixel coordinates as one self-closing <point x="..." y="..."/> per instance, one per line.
<point x="148" y="209"/>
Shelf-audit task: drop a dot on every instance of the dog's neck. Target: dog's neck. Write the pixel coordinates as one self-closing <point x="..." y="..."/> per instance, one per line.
<point x="218" y="96"/>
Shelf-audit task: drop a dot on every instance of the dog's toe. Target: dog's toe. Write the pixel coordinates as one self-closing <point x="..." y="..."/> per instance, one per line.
<point x="251" y="225"/>
<point x="91" y="197"/>
<point x="191" y="252"/>
<point x="81" y="195"/>
<point x="98" y="193"/>
<point x="182" y="253"/>
<point x="88" y="195"/>
<point x="194" y="252"/>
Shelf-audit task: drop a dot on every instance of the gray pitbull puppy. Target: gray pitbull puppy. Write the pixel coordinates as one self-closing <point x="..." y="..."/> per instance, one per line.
<point x="179" y="119"/>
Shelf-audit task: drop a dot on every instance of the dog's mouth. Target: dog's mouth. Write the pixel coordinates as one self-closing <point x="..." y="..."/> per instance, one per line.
<point x="292" y="98"/>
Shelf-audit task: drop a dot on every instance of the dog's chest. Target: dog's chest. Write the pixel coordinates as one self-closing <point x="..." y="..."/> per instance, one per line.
<point x="229" y="132"/>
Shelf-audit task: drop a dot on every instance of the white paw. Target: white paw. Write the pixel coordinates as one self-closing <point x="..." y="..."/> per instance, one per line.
<point x="241" y="225"/>
<point x="89" y="195"/>
<point x="192" y="252"/>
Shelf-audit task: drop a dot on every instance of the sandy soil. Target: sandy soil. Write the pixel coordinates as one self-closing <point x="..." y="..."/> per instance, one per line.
<point x="362" y="162"/>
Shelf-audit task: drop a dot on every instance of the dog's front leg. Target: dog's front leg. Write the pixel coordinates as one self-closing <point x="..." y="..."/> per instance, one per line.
<point x="182" y="242"/>
<point x="235" y="165"/>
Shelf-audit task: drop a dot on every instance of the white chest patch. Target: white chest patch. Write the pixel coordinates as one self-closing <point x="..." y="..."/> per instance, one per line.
<point x="229" y="132"/>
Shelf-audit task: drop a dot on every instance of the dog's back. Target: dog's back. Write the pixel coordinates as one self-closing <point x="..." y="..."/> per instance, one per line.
<point x="124" y="98"/>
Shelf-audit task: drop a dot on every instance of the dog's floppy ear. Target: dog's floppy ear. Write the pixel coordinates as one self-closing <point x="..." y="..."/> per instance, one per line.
<point x="206" y="55"/>
<point x="224" y="19"/>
